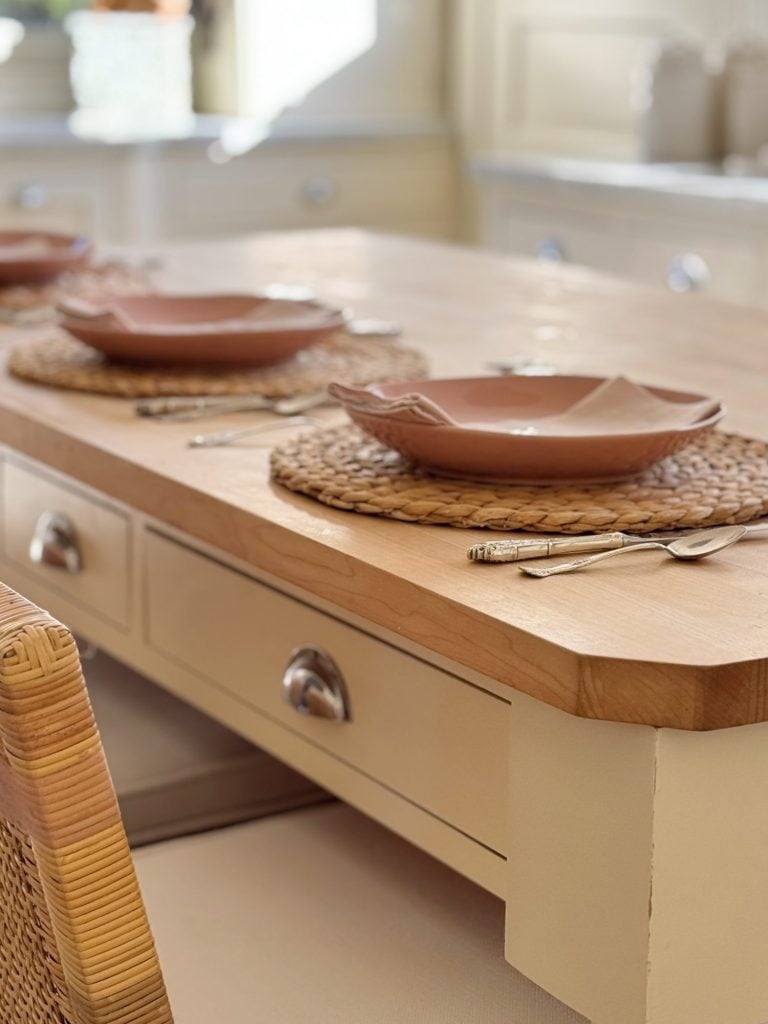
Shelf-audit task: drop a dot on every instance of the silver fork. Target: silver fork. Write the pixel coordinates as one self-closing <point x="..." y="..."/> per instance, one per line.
<point x="224" y="437"/>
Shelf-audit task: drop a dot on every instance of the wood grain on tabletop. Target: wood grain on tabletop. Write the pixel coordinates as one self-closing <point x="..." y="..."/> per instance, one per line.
<point x="652" y="641"/>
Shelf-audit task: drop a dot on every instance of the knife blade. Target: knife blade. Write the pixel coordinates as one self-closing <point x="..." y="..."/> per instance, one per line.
<point x="544" y="547"/>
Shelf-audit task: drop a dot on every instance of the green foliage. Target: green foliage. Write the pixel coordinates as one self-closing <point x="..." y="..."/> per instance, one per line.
<point x="37" y="8"/>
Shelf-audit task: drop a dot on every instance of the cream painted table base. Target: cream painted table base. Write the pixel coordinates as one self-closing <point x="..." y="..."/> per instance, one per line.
<point x="638" y="868"/>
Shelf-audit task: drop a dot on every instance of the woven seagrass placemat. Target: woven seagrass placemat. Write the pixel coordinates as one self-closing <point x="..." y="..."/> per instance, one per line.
<point x="36" y="303"/>
<point x="59" y="360"/>
<point x="717" y="479"/>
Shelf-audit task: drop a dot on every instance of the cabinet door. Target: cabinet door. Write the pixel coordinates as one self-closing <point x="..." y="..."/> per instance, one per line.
<point x="557" y="75"/>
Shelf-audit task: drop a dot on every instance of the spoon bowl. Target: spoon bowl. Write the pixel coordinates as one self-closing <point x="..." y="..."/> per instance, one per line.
<point x="705" y="542"/>
<point x="688" y="548"/>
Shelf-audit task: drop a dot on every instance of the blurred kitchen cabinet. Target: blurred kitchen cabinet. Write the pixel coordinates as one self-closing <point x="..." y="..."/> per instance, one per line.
<point x="150" y="192"/>
<point x="67" y="188"/>
<point x="693" y="245"/>
<point x="556" y="76"/>
<point x="406" y="186"/>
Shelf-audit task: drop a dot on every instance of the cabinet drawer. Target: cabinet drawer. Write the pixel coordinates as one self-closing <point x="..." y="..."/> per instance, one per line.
<point x="284" y="185"/>
<point x="45" y="188"/>
<point x="101" y="536"/>
<point x="724" y="260"/>
<point x="427" y="735"/>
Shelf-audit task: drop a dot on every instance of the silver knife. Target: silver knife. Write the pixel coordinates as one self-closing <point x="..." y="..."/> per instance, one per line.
<point x="182" y="409"/>
<point x="520" y="550"/>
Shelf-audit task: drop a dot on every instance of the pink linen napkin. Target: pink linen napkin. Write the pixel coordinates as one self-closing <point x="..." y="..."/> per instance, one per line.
<point x="616" y="406"/>
<point x="267" y="315"/>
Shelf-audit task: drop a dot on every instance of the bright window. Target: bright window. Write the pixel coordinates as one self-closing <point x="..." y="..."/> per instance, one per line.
<point x="286" y="48"/>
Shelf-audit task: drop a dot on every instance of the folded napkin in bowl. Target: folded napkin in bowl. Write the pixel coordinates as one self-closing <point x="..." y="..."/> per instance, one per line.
<point x="283" y="315"/>
<point x="613" y="407"/>
<point x="409" y="408"/>
<point x="616" y="406"/>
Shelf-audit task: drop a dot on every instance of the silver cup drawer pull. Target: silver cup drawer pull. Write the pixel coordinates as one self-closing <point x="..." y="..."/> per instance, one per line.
<point x="54" y="543"/>
<point x="314" y="685"/>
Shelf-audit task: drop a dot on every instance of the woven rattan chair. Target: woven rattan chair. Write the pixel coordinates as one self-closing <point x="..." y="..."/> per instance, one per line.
<point x="75" y="945"/>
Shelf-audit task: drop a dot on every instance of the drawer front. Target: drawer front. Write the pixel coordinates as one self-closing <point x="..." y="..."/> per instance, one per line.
<point x="101" y="536"/>
<point x="384" y="185"/>
<point x="425" y="734"/>
<point x="724" y="261"/>
<point x="40" y="190"/>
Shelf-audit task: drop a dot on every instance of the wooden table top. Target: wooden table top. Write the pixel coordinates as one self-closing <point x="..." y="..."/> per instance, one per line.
<point x="664" y="644"/>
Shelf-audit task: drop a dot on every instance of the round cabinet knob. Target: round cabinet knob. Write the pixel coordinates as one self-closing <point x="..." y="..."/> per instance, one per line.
<point x="551" y="250"/>
<point x="688" y="273"/>
<point x="319" y="190"/>
<point x="54" y="543"/>
<point x="33" y="195"/>
<point x="314" y="685"/>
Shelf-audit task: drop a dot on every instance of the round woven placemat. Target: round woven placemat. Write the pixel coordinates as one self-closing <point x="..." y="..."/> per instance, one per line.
<point x="59" y="360"/>
<point x="36" y="303"/>
<point x="717" y="479"/>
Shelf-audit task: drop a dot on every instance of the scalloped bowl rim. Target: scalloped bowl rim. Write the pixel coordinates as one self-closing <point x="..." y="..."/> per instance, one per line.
<point x="383" y="390"/>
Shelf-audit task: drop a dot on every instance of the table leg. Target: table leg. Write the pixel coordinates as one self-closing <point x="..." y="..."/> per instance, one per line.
<point x="638" y="868"/>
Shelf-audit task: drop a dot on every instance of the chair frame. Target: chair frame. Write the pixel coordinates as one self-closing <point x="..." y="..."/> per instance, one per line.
<point x="75" y="943"/>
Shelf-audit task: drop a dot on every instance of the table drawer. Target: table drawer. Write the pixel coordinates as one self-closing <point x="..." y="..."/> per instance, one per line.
<point x="429" y="736"/>
<point x="100" y="534"/>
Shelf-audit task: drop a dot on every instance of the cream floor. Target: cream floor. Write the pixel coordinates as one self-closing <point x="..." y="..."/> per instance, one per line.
<point x="321" y="916"/>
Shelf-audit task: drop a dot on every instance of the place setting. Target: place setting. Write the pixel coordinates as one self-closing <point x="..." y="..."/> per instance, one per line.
<point x="40" y="268"/>
<point x="602" y="465"/>
<point x="188" y="356"/>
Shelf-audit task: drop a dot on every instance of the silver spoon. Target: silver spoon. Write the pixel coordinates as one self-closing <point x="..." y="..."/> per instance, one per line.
<point x="694" y="545"/>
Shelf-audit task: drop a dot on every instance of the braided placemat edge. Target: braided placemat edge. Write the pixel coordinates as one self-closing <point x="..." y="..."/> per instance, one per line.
<point x="382" y="484"/>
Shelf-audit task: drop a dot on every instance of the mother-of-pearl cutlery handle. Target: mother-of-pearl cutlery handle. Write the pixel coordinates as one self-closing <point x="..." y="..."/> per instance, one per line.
<point x="190" y="407"/>
<point x="518" y="550"/>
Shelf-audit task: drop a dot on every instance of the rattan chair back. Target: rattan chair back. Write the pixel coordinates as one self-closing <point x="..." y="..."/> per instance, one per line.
<point x="75" y="944"/>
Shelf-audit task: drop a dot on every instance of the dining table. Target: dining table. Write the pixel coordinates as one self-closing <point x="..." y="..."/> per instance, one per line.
<point x="592" y="748"/>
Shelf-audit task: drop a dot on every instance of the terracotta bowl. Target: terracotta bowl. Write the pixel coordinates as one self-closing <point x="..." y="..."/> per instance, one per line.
<point x="458" y="449"/>
<point x="34" y="257"/>
<point x="243" y="330"/>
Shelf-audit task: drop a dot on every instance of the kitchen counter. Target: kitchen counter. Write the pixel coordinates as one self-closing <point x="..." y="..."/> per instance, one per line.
<point x="22" y="131"/>
<point x="567" y="744"/>
<point x="696" y="181"/>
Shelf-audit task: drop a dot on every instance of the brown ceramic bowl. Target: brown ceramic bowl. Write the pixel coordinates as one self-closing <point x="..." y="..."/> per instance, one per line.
<point x="244" y="330"/>
<point x="34" y="257"/>
<point x="457" y="449"/>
